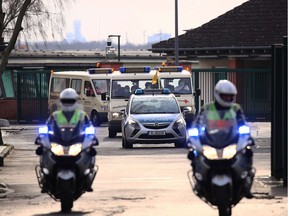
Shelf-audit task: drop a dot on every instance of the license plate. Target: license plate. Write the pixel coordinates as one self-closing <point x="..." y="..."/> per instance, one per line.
<point x="155" y="133"/>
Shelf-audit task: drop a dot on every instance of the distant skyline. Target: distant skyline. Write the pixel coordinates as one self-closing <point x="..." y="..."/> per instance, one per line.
<point x="137" y="21"/>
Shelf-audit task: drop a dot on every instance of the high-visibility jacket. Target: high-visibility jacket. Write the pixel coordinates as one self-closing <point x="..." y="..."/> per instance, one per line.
<point x="214" y="115"/>
<point x="61" y="120"/>
<point x="214" y="118"/>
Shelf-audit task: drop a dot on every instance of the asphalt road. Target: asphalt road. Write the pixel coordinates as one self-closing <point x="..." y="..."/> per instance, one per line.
<point x="147" y="180"/>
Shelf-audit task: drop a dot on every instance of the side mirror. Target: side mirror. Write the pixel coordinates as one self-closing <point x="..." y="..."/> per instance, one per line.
<point x="122" y="112"/>
<point x="197" y="92"/>
<point x="185" y="110"/>
<point x="103" y="96"/>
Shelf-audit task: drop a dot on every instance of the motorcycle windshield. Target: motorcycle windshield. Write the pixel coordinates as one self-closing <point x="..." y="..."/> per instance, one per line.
<point x="67" y="136"/>
<point x="218" y="128"/>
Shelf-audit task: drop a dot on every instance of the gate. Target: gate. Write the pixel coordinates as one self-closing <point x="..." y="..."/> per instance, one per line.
<point x="32" y="95"/>
<point x="253" y="87"/>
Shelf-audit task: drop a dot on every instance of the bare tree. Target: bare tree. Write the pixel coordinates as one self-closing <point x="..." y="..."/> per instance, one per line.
<point x="32" y="18"/>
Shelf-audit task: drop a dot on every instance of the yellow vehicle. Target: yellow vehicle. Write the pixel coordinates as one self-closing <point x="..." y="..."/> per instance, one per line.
<point x="89" y="85"/>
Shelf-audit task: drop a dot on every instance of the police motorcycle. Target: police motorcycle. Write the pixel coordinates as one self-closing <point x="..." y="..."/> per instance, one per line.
<point x="221" y="160"/>
<point x="67" y="163"/>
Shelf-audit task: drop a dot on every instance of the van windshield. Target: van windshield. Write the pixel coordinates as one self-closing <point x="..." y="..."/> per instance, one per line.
<point x="124" y="88"/>
<point x="59" y="84"/>
<point x="101" y="86"/>
<point x="154" y="104"/>
<point x="177" y="85"/>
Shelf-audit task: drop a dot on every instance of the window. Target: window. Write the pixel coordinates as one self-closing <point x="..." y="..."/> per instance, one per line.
<point x="88" y="91"/>
<point x="76" y="84"/>
<point x="144" y="105"/>
<point x="124" y="88"/>
<point x="8" y="84"/>
<point x="177" y="85"/>
<point x="101" y="86"/>
<point x="59" y="84"/>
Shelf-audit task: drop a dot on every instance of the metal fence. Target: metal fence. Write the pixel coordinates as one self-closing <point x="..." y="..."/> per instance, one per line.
<point x="32" y="96"/>
<point x="253" y="85"/>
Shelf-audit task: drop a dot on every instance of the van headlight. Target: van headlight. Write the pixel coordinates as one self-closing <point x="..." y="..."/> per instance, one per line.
<point x="116" y="115"/>
<point x="218" y="154"/>
<point x="72" y="150"/>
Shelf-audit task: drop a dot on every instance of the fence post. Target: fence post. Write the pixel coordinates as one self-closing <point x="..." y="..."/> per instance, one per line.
<point x="279" y="112"/>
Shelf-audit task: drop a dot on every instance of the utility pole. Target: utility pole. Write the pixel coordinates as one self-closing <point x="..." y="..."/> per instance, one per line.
<point x="176" y="35"/>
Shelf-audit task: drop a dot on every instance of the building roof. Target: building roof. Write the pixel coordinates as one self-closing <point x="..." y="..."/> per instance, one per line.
<point x="255" y="23"/>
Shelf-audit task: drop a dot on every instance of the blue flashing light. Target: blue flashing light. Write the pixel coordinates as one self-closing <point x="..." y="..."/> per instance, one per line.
<point x="100" y="70"/>
<point x="179" y="69"/>
<point x="169" y="69"/>
<point x="193" y="132"/>
<point x="43" y="130"/>
<point x="90" y="130"/>
<point x="166" y="91"/>
<point x="244" y="130"/>
<point x="122" y="69"/>
<point x="195" y="153"/>
<point x="145" y="69"/>
<point x="139" y="91"/>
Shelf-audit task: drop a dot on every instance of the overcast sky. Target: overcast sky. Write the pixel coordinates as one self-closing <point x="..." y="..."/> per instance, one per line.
<point x="136" y="20"/>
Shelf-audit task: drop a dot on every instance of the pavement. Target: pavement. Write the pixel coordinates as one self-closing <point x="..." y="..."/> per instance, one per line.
<point x="264" y="186"/>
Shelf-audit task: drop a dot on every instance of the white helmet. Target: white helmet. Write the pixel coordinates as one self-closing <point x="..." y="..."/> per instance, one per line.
<point x="68" y="99"/>
<point x="224" y="87"/>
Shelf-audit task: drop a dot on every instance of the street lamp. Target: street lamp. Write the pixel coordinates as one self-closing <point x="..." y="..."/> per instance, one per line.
<point x="109" y="42"/>
<point x="176" y="35"/>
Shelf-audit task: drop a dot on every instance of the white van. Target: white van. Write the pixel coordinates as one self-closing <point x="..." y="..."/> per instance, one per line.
<point x="89" y="85"/>
<point x="180" y="83"/>
<point x="123" y="83"/>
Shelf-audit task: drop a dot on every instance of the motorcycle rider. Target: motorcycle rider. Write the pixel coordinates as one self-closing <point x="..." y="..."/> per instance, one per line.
<point x="69" y="115"/>
<point x="224" y="93"/>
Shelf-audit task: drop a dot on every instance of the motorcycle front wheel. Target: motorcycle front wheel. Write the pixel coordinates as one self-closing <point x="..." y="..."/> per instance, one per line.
<point x="224" y="210"/>
<point x="66" y="204"/>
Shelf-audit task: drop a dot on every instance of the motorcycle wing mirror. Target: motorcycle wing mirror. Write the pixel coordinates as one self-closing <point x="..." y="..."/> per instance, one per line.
<point x="37" y="141"/>
<point x="95" y="142"/>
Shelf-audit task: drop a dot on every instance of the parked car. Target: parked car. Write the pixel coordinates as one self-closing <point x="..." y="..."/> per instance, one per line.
<point x="151" y="117"/>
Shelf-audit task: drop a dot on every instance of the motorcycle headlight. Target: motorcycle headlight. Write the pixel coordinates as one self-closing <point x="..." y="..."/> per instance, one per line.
<point x="75" y="149"/>
<point x="60" y="150"/>
<point x="230" y="151"/>
<point x="218" y="154"/>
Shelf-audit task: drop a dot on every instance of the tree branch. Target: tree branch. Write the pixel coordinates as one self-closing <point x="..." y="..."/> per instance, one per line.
<point x="14" y="37"/>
